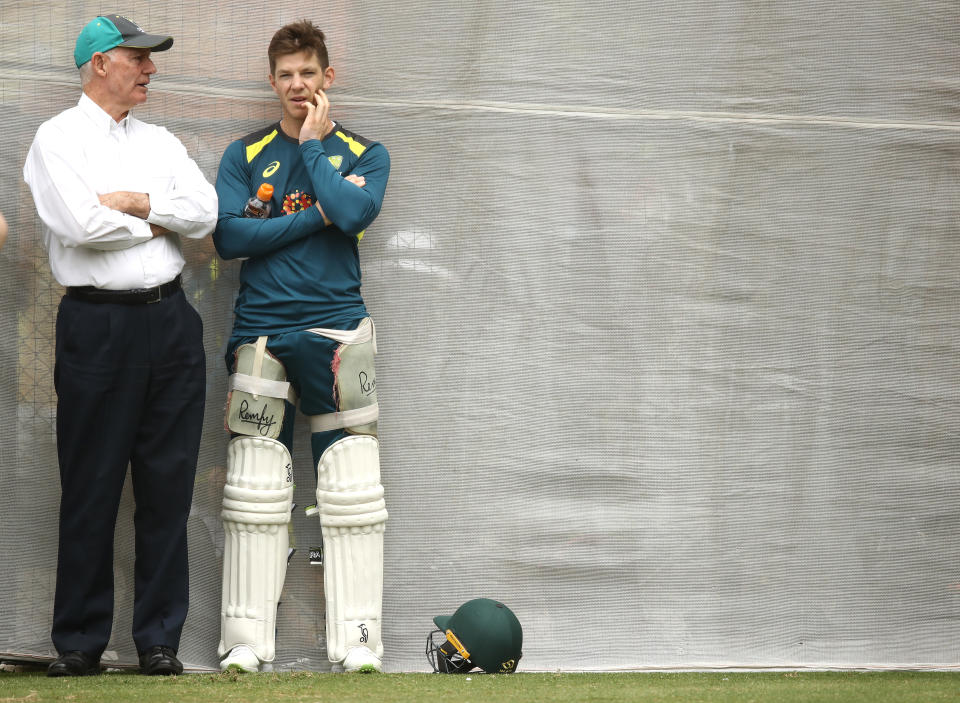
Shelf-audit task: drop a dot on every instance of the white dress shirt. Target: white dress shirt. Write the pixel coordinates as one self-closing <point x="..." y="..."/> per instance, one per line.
<point x="83" y="153"/>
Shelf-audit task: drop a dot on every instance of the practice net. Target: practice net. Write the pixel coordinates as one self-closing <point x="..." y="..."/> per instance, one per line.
<point x="667" y="307"/>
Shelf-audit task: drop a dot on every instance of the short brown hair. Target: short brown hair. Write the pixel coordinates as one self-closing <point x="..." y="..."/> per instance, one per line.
<point x="295" y="37"/>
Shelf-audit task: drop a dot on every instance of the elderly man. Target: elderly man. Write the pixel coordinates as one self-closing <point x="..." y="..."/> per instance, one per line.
<point x="114" y="195"/>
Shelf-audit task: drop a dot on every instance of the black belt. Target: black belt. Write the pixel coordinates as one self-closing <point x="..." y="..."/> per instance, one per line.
<point x="137" y="296"/>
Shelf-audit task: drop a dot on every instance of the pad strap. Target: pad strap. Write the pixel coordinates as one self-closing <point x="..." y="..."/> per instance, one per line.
<point x="364" y="333"/>
<point x="347" y="418"/>
<point x="256" y="385"/>
<point x="261" y="349"/>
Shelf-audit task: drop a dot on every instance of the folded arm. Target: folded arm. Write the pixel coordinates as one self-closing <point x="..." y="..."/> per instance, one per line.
<point x="68" y="205"/>
<point x="350" y="208"/>
<point x="78" y="216"/>
<point x="239" y="237"/>
<point x="188" y="203"/>
<point x="136" y="204"/>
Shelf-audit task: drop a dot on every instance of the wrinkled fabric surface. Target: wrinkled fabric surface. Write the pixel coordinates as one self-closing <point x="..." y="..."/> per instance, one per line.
<point x="667" y="312"/>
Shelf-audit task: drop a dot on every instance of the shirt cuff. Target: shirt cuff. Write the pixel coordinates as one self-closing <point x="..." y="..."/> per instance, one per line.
<point x="313" y="145"/>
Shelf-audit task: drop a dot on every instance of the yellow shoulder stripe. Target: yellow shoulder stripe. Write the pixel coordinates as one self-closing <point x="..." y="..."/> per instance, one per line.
<point x="355" y="146"/>
<point x="257" y="147"/>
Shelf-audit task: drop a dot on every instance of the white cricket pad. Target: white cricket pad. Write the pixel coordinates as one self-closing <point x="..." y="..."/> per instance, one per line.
<point x="353" y="516"/>
<point x="257" y="500"/>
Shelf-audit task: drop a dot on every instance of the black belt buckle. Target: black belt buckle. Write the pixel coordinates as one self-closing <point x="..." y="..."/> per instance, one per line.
<point x="138" y="296"/>
<point x="170" y="287"/>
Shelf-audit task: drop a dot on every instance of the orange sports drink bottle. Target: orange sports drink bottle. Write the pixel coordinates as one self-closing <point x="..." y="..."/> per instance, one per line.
<point x="259" y="205"/>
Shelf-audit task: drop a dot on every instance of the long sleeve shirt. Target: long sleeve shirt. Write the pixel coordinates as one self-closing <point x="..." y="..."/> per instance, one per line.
<point x="83" y="153"/>
<point x="298" y="272"/>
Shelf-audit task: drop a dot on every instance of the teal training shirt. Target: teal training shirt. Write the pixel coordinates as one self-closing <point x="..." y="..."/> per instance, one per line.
<point x="298" y="273"/>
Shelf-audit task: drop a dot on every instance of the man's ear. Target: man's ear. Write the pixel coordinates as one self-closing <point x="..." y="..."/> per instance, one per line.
<point x="99" y="62"/>
<point x="328" y="75"/>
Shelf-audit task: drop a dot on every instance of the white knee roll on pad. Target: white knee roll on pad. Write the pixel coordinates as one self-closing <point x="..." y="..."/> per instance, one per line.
<point x="353" y="516"/>
<point x="257" y="500"/>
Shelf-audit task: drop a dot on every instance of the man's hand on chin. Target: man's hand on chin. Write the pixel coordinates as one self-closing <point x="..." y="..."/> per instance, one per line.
<point x="317" y="124"/>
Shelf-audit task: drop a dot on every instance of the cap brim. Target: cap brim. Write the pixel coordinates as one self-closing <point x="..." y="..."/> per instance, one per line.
<point x="442" y="621"/>
<point x="155" y="42"/>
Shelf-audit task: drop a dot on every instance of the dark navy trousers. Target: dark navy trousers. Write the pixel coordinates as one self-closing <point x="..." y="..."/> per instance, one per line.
<point x="130" y="391"/>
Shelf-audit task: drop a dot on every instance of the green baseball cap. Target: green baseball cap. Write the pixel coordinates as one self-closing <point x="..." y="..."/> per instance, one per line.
<point x="108" y="31"/>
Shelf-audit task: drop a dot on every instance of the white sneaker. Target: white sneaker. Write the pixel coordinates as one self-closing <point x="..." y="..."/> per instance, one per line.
<point x="241" y="658"/>
<point x="361" y="660"/>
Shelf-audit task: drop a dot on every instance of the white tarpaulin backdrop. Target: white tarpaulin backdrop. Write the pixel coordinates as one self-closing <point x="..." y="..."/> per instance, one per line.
<point x="668" y="307"/>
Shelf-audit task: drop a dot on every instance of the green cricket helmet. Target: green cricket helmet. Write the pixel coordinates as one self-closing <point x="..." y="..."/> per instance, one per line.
<point x="481" y="633"/>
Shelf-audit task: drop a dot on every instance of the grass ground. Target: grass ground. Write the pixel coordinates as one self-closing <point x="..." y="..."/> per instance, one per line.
<point x="309" y="687"/>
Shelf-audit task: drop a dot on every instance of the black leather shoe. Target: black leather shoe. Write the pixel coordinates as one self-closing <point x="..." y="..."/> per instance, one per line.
<point x="160" y="661"/>
<point x="74" y="664"/>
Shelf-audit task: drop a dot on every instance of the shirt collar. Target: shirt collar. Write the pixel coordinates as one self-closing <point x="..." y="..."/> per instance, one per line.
<point x="96" y="114"/>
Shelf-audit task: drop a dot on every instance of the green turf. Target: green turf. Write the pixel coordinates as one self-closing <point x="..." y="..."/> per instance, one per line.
<point x="308" y="687"/>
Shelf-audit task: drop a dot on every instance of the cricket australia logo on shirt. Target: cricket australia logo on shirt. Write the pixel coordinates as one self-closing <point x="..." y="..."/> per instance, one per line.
<point x="337" y="161"/>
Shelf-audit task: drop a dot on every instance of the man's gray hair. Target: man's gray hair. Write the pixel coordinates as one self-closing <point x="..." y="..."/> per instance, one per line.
<point x="86" y="70"/>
